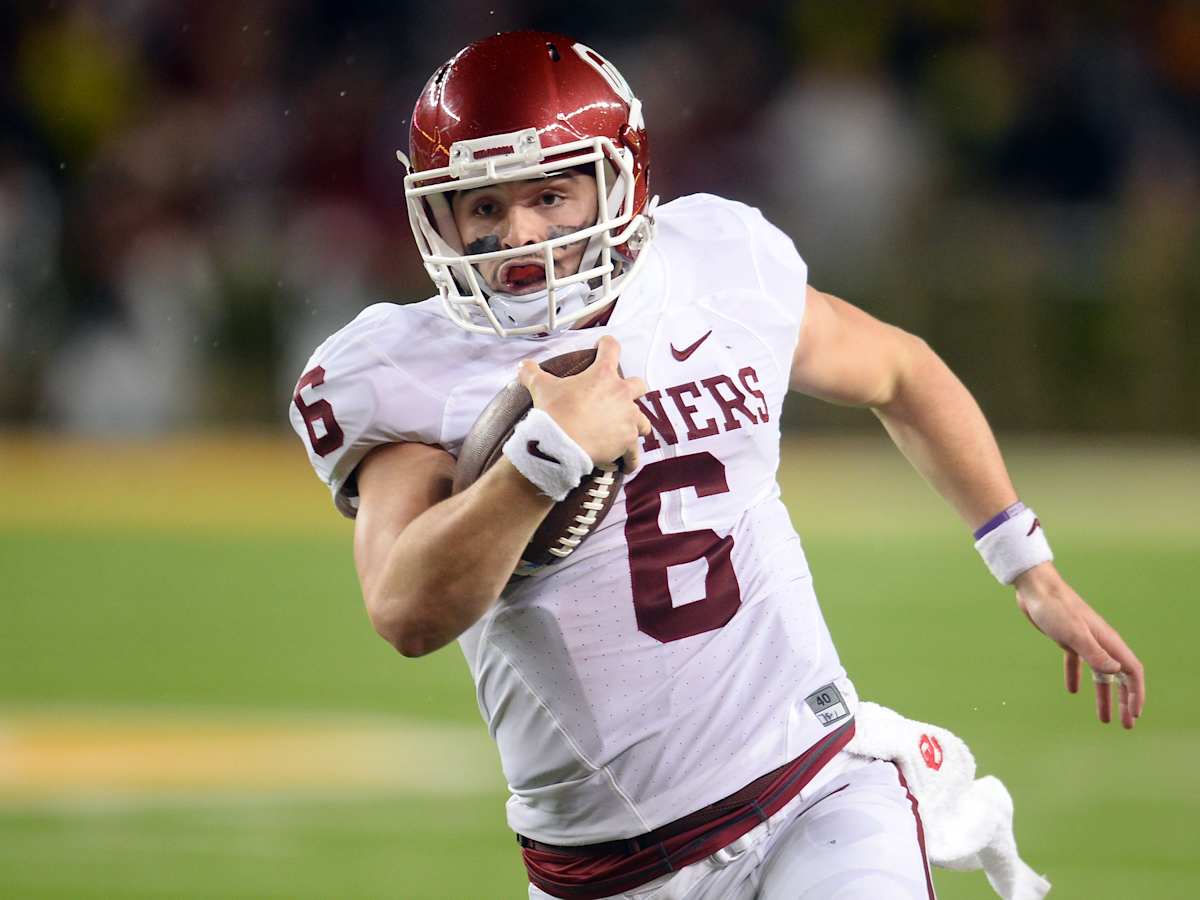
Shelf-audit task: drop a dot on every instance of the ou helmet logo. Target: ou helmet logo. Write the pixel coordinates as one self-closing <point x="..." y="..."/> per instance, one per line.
<point x="931" y="752"/>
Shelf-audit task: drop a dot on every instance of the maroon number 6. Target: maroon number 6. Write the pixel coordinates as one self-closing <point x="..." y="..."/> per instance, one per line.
<point x="319" y="411"/>
<point x="651" y="551"/>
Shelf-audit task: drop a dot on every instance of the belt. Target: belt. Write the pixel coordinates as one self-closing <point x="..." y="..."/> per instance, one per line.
<point x="744" y="797"/>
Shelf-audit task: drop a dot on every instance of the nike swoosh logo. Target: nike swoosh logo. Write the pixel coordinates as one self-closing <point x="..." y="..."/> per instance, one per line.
<point x="535" y="450"/>
<point x="1037" y="523"/>
<point x="683" y="354"/>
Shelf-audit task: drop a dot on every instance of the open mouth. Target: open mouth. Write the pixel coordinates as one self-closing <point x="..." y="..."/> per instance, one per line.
<point x="523" y="276"/>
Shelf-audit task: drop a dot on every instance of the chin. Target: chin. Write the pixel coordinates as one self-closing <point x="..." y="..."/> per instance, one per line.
<point x="538" y="288"/>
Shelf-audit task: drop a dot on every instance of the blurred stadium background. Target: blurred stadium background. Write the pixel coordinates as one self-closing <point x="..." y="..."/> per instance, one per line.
<point x="193" y="195"/>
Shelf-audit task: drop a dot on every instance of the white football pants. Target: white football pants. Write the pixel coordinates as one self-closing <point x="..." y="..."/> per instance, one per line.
<point x="852" y="836"/>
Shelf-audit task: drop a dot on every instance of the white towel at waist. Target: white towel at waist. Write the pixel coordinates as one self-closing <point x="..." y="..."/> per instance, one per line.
<point x="968" y="820"/>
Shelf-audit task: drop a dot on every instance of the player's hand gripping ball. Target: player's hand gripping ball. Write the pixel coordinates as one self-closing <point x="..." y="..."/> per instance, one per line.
<point x="569" y="521"/>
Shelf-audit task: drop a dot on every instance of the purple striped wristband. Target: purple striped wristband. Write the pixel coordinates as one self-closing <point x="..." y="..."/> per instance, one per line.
<point x="999" y="519"/>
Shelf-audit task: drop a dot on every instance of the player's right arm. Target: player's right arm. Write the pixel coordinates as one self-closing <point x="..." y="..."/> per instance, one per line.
<point x="430" y="564"/>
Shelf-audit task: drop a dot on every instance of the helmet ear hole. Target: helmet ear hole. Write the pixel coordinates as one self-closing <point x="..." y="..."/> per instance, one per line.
<point x="555" y="56"/>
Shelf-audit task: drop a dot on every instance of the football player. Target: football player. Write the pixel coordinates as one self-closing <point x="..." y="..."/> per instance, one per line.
<point x="668" y="703"/>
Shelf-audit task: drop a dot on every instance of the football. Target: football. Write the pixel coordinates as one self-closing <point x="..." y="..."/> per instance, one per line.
<point x="572" y="519"/>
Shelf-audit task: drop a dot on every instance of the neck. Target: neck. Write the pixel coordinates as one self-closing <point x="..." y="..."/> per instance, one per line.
<point x="598" y="318"/>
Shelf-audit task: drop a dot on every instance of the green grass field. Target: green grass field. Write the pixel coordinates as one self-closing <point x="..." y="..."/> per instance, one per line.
<point x="192" y="703"/>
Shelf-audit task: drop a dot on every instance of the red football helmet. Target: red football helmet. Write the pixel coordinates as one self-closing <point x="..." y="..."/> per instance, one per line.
<point x="522" y="105"/>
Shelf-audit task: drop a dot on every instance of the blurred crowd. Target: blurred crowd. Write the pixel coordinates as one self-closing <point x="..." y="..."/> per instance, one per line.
<point x="194" y="194"/>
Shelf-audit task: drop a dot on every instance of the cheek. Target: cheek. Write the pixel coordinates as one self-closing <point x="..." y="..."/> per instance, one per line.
<point x="584" y="210"/>
<point x="466" y="233"/>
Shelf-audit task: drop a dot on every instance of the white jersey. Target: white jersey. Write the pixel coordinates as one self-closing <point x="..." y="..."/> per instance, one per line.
<point x="680" y="652"/>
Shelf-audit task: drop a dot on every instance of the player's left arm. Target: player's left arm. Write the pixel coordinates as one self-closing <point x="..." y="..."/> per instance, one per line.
<point x="848" y="357"/>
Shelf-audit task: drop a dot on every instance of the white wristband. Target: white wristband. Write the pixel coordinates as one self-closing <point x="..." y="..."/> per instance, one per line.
<point x="1015" y="545"/>
<point x="546" y="455"/>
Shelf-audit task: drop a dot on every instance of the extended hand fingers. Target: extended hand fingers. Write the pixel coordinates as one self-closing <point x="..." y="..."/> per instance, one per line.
<point x="1071" y="671"/>
<point x="1102" y="683"/>
<point x="1132" y="679"/>
<point x="1129" y="671"/>
<point x="1066" y="618"/>
<point x="643" y="425"/>
<point x="636" y="386"/>
<point x="1132" y="675"/>
<point x="1128" y="712"/>
<point x="1103" y="697"/>
<point x="1103" y="668"/>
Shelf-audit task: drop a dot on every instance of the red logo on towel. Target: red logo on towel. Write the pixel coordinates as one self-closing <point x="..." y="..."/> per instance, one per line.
<point x="931" y="752"/>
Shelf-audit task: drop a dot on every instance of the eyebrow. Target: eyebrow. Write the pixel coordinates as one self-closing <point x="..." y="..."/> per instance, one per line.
<point x="544" y="183"/>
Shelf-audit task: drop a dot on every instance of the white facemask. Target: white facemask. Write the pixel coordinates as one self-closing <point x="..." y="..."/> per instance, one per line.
<point x="467" y="299"/>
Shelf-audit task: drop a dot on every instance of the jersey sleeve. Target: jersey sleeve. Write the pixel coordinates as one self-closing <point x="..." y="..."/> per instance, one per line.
<point x="780" y="279"/>
<point x="355" y="395"/>
<point x="781" y="271"/>
<point x="735" y="257"/>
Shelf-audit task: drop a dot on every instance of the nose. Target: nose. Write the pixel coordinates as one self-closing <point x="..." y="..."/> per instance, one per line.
<point x="525" y="226"/>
